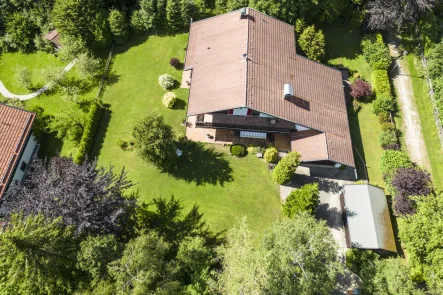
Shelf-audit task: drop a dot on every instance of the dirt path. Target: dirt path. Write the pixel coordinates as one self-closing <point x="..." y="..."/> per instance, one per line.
<point x="413" y="135"/>
<point x="5" y="92"/>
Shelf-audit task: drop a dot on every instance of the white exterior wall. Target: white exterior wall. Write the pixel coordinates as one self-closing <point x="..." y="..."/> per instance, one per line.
<point x="26" y="157"/>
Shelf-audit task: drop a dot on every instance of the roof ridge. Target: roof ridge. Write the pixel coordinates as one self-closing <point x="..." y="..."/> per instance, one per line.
<point x="372" y="214"/>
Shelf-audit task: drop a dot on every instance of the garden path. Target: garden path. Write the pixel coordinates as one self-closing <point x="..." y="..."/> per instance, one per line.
<point x="413" y="135"/>
<point x="5" y="92"/>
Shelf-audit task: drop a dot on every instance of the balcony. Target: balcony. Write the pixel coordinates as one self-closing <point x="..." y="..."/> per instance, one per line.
<point x="220" y="120"/>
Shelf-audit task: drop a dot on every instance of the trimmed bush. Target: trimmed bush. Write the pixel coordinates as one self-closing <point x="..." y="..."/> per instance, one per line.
<point x="286" y="168"/>
<point x="169" y="99"/>
<point x="387" y="126"/>
<point x="166" y="81"/>
<point x="303" y="199"/>
<point x="175" y="62"/>
<point x="271" y="155"/>
<point x="238" y="150"/>
<point x="88" y="133"/>
<point x="380" y="83"/>
<point x="383" y="105"/>
<point x="391" y="160"/>
<point x="388" y="137"/>
<point x="360" y="89"/>
<point x="376" y="52"/>
<point x="384" y="117"/>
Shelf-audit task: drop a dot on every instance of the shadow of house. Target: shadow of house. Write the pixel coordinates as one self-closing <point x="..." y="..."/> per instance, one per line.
<point x="202" y="165"/>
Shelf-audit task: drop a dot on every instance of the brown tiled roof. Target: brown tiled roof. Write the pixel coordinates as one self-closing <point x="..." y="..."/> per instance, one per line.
<point x="15" y="128"/>
<point x="310" y="144"/>
<point x="54" y="37"/>
<point x="222" y="79"/>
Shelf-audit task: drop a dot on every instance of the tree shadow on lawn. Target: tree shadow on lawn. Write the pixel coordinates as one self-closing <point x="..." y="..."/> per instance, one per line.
<point x="179" y="104"/>
<point x="342" y="40"/>
<point x="50" y="146"/>
<point x="100" y="134"/>
<point x="357" y="143"/>
<point x="202" y="165"/>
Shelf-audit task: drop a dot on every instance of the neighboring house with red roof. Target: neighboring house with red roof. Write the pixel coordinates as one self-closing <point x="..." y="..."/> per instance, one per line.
<point x="54" y="37"/>
<point x="17" y="145"/>
<point x="247" y="83"/>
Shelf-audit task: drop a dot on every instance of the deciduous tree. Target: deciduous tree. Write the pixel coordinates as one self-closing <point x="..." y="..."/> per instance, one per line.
<point x="91" y="199"/>
<point x="154" y="141"/>
<point x="304" y="199"/>
<point x="119" y="26"/>
<point x="312" y="42"/>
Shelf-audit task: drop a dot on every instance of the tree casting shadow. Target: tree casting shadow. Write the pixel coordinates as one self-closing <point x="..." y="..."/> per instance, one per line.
<point x="202" y="165"/>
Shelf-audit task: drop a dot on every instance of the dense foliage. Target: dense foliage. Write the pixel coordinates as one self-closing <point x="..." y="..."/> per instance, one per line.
<point x="380" y="82"/>
<point x="360" y="89"/>
<point x="155" y="141"/>
<point x="376" y="52"/>
<point x="166" y="81"/>
<point x="304" y="199"/>
<point x="238" y="150"/>
<point x="119" y="26"/>
<point x="286" y="262"/>
<point x="169" y="99"/>
<point x="312" y="43"/>
<point x="435" y="70"/>
<point x="383" y="105"/>
<point x="412" y="182"/>
<point x="271" y="155"/>
<point x="421" y="234"/>
<point x="388" y="137"/>
<point x="285" y="169"/>
<point x="87" y="197"/>
<point x="88" y="133"/>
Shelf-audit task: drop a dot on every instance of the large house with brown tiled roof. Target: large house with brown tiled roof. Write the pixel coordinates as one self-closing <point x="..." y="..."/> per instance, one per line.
<point x="247" y="84"/>
<point x="17" y="145"/>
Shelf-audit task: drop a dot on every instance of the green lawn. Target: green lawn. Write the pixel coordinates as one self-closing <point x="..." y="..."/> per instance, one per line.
<point x="51" y="102"/>
<point x="425" y="110"/>
<point x="225" y="188"/>
<point x="343" y="48"/>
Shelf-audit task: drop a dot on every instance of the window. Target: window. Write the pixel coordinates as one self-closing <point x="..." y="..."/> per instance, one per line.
<point x="23" y="166"/>
<point x="253" y="134"/>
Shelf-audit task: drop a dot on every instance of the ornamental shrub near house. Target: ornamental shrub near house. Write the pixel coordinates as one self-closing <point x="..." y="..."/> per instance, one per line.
<point x="391" y="160"/>
<point x="380" y="83"/>
<point x="169" y="99"/>
<point x="175" y="62"/>
<point x="238" y="150"/>
<point x="360" y="89"/>
<point x="388" y="137"/>
<point x="286" y="168"/>
<point x="304" y="199"/>
<point x="383" y="105"/>
<point x="166" y="81"/>
<point x="271" y="155"/>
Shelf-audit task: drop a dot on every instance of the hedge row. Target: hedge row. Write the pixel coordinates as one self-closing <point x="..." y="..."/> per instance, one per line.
<point x="435" y="70"/>
<point x="376" y="52"/>
<point x="88" y="133"/>
<point x="380" y="83"/>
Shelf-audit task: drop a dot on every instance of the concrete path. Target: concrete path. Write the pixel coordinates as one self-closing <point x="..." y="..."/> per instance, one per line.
<point x="5" y="92"/>
<point x="413" y="135"/>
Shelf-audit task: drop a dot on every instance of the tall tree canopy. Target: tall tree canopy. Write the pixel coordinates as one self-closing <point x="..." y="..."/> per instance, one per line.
<point x="396" y="13"/>
<point x="295" y="255"/>
<point x="87" y="197"/>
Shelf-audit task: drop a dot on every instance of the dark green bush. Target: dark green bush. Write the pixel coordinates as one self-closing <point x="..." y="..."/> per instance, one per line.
<point x="238" y="150"/>
<point x="88" y="133"/>
<point x="380" y="83"/>
<point x="435" y="61"/>
<point x="387" y="126"/>
<point x="388" y="137"/>
<point x="356" y="259"/>
<point x="384" y="117"/>
<point x="286" y="168"/>
<point x="383" y="105"/>
<point x="303" y="199"/>
<point x="376" y="52"/>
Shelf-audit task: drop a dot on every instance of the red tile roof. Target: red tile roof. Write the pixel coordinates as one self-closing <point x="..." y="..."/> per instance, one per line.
<point x="310" y="144"/>
<point x="222" y="77"/>
<point x="15" y="128"/>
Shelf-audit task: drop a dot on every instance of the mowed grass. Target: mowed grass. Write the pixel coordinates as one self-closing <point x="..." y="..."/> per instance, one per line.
<point x="343" y="49"/>
<point x="425" y="110"/>
<point x="50" y="101"/>
<point x="224" y="187"/>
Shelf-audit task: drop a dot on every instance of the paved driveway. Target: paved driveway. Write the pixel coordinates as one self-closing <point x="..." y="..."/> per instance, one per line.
<point x="329" y="208"/>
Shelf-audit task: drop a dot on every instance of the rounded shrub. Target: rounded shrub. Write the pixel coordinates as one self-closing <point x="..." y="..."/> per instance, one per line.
<point x="175" y="62"/>
<point x="286" y="168"/>
<point x="391" y="160"/>
<point x="383" y="105"/>
<point x="387" y="126"/>
<point x="166" y="81"/>
<point x="271" y="155"/>
<point x="388" y="137"/>
<point x="384" y="117"/>
<point x="238" y="150"/>
<point x="169" y="99"/>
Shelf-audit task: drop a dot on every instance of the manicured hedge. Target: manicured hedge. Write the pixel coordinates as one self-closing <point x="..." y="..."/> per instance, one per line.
<point x="376" y="52"/>
<point x="286" y="168"/>
<point x="238" y="150"/>
<point x="380" y="83"/>
<point x="391" y="160"/>
<point x="271" y="155"/>
<point x="88" y="133"/>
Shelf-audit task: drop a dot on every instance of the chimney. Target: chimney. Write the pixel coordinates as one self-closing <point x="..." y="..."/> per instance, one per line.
<point x="288" y="92"/>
